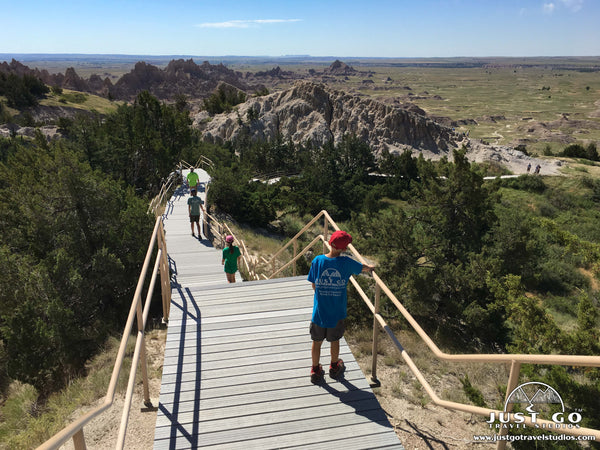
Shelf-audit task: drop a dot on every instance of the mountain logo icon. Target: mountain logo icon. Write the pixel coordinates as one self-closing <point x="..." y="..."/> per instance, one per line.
<point x="534" y="393"/>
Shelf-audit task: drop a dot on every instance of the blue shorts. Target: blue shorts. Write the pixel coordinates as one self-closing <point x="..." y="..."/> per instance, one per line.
<point x="318" y="333"/>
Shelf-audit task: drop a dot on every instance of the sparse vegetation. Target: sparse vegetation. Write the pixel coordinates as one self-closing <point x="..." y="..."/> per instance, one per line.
<point x="224" y="99"/>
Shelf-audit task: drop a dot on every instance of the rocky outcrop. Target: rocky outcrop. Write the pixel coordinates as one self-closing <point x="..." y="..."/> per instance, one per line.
<point x="311" y="112"/>
<point x="68" y="80"/>
<point x="179" y="77"/>
<point x="340" y="68"/>
<point x="275" y="72"/>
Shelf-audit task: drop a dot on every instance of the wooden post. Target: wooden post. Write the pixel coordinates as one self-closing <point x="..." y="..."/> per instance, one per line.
<point x="325" y="231"/>
<point x="165" y="282"/>
<point x="79" y="440"/>
<point x="513" y="379"/>
<point x="374" y="380"/>
<point x="143" y="362"/>
<point x="295" y="253"/>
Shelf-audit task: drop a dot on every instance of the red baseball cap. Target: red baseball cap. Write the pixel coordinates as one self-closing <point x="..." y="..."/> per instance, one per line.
<point x="340" y="240"/>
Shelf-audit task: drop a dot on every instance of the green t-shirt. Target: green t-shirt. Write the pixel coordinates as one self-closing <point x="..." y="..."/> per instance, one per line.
<point x="231" y="259"/>
<point x="192" y="178"/>
<point x="195" y="203"/>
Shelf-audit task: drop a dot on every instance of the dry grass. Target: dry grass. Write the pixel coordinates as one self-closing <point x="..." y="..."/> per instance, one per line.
<point x="443" y="376"/>
<point x="74" y="99"/>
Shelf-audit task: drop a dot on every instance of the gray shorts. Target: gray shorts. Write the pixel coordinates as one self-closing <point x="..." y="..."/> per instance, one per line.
<point x="194" y="218"/>
<point x="318" y="333"/>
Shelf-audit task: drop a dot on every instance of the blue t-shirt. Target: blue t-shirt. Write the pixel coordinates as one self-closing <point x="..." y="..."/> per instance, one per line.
<point x="330" y="276"/>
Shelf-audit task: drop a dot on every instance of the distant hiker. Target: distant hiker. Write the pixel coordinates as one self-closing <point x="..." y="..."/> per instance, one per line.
<point x="193" y="179"/>
<point x="194" y="206"/>
<point x="528" y="167"/>
<point x="329" y="275"/>
<point x="537" y="169"/>
<point x="231" y="259"/>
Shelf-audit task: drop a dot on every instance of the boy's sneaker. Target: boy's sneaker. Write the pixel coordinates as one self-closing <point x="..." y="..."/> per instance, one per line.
<point x="316" y="374"/>
<point x="336" y="370"/>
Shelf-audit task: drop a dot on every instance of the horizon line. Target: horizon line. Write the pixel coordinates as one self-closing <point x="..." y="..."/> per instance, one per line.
<point x="165" y="55"/>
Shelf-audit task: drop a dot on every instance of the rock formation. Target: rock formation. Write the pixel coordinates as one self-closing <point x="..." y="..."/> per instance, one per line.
<point x="179" y="77"/>
<point x="340" y="68"/>
<point x="311" y="112"/>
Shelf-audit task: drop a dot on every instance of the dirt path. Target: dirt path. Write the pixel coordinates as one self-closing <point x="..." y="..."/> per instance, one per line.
<point x="513" y="160"/>
<point x="102" y="432"/>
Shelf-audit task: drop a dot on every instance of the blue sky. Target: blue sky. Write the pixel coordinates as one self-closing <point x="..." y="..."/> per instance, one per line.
<point x="376" y="28"/>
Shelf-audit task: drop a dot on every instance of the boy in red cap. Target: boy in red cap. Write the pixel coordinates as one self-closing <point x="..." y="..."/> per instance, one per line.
<point x="329" y="275"/>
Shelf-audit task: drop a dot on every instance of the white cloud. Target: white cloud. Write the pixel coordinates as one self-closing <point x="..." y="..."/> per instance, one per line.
<point x="244" y="23"/>
<point x="573" y="5"/>
<point x="549" y="8"/>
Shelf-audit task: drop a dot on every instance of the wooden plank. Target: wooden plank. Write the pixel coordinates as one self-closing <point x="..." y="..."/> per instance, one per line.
<point x="249" y="409"/>
<point x="178" y="403"/>
<point x="372" y="434"/>
<point x="369" y="408"/>
<point x="257" y="384"/>
<point x="230" y="341"/>
<point x="302" y="358"/>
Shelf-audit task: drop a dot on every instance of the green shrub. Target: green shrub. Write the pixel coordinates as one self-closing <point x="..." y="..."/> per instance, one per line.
<point x="526" y="183"/>
<point x="560" y="278"/>
<point x="579" y="151"/>
<point x="22" y="91"/>
<point x="567" y="305"/>
<point x="473" y="394"/>
<point x="73" y="97"/>
<point x="594" y="185"/>
<point x="224" y="99"/>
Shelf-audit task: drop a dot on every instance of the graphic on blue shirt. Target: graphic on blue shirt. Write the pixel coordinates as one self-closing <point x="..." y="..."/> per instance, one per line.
<point x="330" y="282"/>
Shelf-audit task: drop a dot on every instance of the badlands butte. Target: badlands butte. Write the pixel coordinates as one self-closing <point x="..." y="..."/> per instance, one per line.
<point x="494" y="108"/>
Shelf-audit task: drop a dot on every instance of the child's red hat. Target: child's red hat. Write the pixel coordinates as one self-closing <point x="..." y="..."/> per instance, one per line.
<point x="340" y="240"/>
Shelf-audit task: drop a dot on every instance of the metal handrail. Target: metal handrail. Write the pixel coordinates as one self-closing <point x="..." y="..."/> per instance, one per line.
<point x="378" y="321"/>
<point x="75" y="429"/>
<point x="202" y="161"/>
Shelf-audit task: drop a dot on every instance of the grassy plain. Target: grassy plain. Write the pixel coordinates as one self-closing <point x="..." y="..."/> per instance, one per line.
<point x="503" y="102"/>
<point x="80" y="100"/>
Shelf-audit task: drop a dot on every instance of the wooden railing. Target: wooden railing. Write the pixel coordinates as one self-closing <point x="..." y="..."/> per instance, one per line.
<point x="138" y="312"/>
<point x="219" y="231"/>
<point x="174" y="179"/>
<point x="379" y="322"/>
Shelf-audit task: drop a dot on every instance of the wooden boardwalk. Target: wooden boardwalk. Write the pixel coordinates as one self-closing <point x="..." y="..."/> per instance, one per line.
<point x="237" y="362"/>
